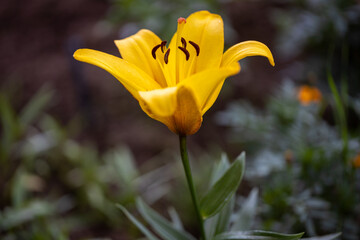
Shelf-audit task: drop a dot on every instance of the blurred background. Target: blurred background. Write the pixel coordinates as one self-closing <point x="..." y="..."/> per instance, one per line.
<point x="74" y="142"/>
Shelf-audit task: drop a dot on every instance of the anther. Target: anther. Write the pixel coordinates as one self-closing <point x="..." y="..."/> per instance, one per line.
<point x="197" y="48"/>
<point x="153" y="51"/>
<point x="163" y="43"/>
<point x="187" y="54"/>
<point x="166" y="57"/>
<point x="183" y="41"/>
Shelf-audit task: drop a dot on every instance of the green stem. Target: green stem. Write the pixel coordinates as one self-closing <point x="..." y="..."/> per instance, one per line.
<point x="187" y="169"/>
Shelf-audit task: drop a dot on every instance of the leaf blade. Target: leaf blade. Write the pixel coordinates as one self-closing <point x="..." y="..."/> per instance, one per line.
<point x="222" y="191"/>
<point x="245" y="216"/>
<point x="257" y="235"/>
<point x="163" y="227"/>
<point x="325" y="237"/>
<point x="138" y="224"/>
<point x="219" y="223"/>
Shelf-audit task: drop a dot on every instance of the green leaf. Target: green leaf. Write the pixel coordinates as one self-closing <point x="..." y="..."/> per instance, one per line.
<point x="36" y="105"/>
<point x="219" y="222"/>
<point x="10" y="128"/>
<point x="257" y="235"/>
<point x="222" y="191"/>
<point x="223" y="217"/>
<point x="175" y="219"/>
<point x="326" y="237"/>
<point x="163" y="227"/>
<point x="245" y="217"/>
<point x="18" y="190"/>
<point x="219" y="169"/>
<point x="138" y="224"/>
<point x="14" y="217"/>
<point x="340" y="113"/>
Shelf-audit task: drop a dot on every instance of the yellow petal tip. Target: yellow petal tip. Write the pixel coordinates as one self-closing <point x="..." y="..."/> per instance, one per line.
<point x="272" y="62"/>
<point x="78" y="53"/>
<point x="270" y="58"/>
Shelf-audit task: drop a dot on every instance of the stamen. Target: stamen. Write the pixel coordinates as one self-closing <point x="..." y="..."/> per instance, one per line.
<point x="183" y="41"/>
<point x="153" y="51"/>
<point x="197" y="48"/>
<point x="187" y="54"/>
<point x="166" y="57"/>
<point x="163" y="43"/>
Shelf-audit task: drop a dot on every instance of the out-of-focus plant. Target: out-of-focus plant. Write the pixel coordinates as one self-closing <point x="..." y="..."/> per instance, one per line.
<point x="158" y="15"/>
<point x="49" y="180"/>
<point x="298" y="159"/>
<point x="308" y="30"/>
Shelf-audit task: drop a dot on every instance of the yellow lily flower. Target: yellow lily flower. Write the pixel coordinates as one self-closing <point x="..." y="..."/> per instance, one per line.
<point x="177" y="84"/>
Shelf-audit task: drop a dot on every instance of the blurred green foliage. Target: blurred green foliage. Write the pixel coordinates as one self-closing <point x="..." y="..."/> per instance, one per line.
<point x="315" y="34"/>
<point x="160" y="15"/>
<point x="308" y="183"/>
<point x="54" y="186"/>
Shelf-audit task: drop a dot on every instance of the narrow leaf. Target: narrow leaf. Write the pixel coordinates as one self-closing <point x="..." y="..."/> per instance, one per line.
<point x="36" y="105"/>
<point x="326" y="237"/>
<point x="219" y="222"/>
<point x="175" y="219"/>
<point x="163" y="227"/>
<point x="219" y="169"/>
<point x="222" y="191"/>
<point x="245" y="217"/>
<point x="224" y="216"/>
<point x="10" y="128"/>
<point x="257" y="235"/>
<point x="138" y="224"/>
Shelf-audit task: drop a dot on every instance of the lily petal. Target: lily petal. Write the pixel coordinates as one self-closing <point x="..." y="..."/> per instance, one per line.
<point x="168" y="121"/>
<point x="137" y="48"/>
<point x="246" y="49"/>
<point x="187" y="117"/>
<point x="133" y="78"/>
<point x="176" y="107"/>
<point x="160" y="102"/>
<point x="207" y="84"/>
<point x="206" y="30"/>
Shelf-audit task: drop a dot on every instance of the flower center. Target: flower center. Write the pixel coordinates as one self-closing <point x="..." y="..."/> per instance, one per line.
<point x="182" y="48"/>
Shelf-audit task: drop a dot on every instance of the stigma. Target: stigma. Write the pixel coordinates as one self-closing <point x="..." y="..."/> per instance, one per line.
<point x="181" y="20"/>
